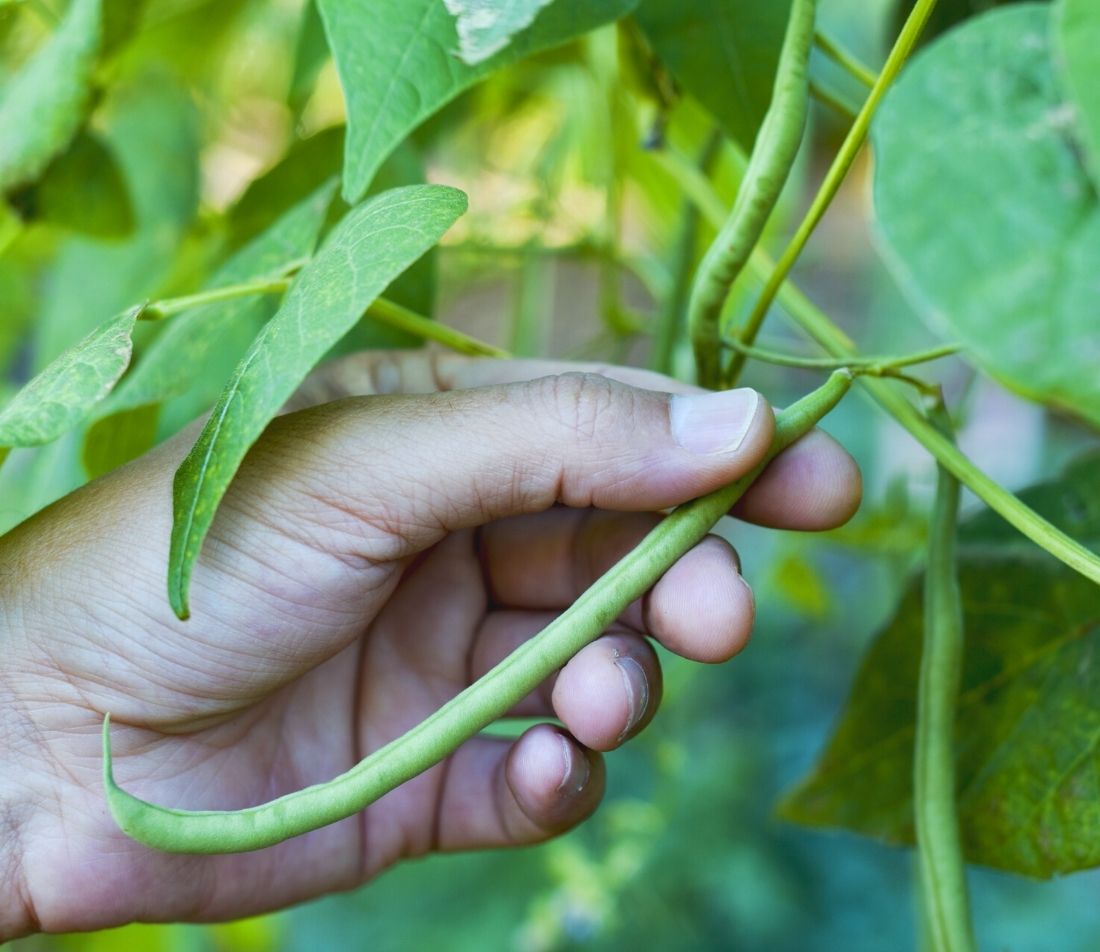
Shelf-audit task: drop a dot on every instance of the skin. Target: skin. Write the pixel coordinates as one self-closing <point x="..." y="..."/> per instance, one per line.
<point x="372" y="558"/>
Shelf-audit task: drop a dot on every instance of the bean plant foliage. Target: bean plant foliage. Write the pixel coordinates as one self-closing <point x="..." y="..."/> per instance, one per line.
<point x="132" y="302"/>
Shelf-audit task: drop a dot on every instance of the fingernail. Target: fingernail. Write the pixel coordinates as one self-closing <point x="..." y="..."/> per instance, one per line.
<point x="636" y="685"/>
<point x="574" y="773"/>
<point x="713" y="422"/>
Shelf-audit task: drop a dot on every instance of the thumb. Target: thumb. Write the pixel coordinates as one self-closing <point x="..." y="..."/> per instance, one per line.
<point x="393" y="474"/>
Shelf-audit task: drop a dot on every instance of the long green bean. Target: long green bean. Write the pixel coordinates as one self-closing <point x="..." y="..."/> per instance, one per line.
<point x="773" y="154"/>
<point x="942" y="869"/>
<point x="476" y="707"/>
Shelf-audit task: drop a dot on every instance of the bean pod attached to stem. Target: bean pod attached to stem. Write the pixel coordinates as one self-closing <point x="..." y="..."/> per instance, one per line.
<point x="769" y="165"/>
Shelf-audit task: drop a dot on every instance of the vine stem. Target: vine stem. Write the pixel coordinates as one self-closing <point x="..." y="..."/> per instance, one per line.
<point x="170" y="307"/>
<point x="477" y="706"/>
<point x="1017" y="513"/>
<point x="845" y="59"/>
<point x="673" y="309"/>
<point x="817" y="324"/>
<point x="383" y="310"/>
<point x="836" y="174"/>
<point x="834" y="100"/>
<point x="942" y="867"/>
<point x="388" y="312"/>
<point x="874" y="366"/>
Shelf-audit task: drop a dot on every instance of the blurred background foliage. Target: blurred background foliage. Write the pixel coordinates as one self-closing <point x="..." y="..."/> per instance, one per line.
<point x="211" y="117"/>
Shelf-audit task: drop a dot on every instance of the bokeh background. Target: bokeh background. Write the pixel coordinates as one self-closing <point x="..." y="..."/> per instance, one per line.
<point x="575" y="176"/>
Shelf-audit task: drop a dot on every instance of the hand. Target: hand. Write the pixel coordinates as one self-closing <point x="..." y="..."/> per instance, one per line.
<point x="373" y="556"/>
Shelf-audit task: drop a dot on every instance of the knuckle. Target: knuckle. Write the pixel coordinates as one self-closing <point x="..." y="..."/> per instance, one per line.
<point x="581" y="403"/>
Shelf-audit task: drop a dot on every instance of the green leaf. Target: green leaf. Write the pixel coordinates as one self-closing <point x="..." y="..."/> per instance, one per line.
<point x="485" y="26"/>
<point x="987" y="215"/>
<point x="84" y="189"/>
<point x="122" y="20"/>
<point x="723" y="52"/>
<point x="1077" y="53"/>
<point x="64" y="393"/>
<point x="397" y="66"/>
<point x="1028" y="725"/>
<point x="44" y="104"/>
<point x="310" y="54"/>
<point x="89" y="280"/>
<point x="179" y="358"/>
<point x="373" y="244"/>
<point x="306" y="165"/>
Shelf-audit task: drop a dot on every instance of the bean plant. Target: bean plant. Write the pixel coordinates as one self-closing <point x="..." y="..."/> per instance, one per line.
<point x="985" y="140"/>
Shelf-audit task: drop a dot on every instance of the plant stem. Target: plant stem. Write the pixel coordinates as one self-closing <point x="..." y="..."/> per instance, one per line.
<point x="833" y="179"/>
<point x="401" y="318"/>
<point x="833" y="340"/>
<point x="817" y="324"/>
<point x="845" y="59"/>
<point x="834" y="100"/>
<point x="869" y="366"/>
<point x="673" y="313"/>
<point x="169" y="307"/>
<point x="477" y="706"/>
<point x="942" y="867"/>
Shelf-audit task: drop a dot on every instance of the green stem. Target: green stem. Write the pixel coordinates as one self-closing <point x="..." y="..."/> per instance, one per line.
<point x="817" y="324"/>
<point x="845" y="59"/>
<point x="833" y="178"/>
<point x="477" y="706"/>
<point x="671" y="322"/>
<point x="834" y="100"/>
<point x="942" y="867"/>
<point x="834" y="341"/>
<point x="169" y="307"/>
<point x="879" y="366"/>
<point x="773" y="154"/>
<point x="401" y="318"/>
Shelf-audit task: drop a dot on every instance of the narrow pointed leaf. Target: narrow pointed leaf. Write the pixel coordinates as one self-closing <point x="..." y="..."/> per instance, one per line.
<point x="65" y="392"/>
<point x="370" y="247"/>
<point x="397" y="63"/>
<point x="179" y="358"/>
<point x="45" y="102"/>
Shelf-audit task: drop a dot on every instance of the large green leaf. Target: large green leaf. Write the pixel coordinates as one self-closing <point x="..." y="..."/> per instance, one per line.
<point x="1077" y="51"/>
<point x="986" y="213"/>
<point x="43" y="105"/>
<point x="485" y="26"/>
<point x="1028" y="725"/>
<point x="150" y="125"/>
<point x="64" y="393"/>
<point x="310" y="54"/>
<point x="723" y="52"/>
<point x="946" y="15"/>
<point x="179" y="358"/>
<point x="397" y="65"/>
<point x="373" y="244"/>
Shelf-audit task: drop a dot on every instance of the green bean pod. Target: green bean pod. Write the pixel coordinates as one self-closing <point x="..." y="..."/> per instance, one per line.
<point x="773" y="154"/>
<point x="484" y="701"/>
<point x="942" y="868"/>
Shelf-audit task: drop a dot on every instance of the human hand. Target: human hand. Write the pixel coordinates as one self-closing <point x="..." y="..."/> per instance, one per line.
<point x="373" y="556"/>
